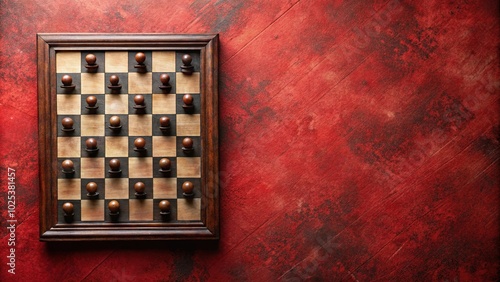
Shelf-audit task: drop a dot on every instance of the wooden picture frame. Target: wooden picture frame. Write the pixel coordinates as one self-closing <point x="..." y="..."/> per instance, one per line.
<point x="51" y="227"/>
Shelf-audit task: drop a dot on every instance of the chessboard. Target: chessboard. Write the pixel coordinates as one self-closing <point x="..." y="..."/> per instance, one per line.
<point x="128" y="137"/>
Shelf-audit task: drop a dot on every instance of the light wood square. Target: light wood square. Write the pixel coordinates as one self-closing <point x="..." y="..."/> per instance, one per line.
<point x="189" y="209"/>
<point x="116" y="62"/>
<point x="164" y="146"/>
<point x="69" y="104"/>
<point x="165" y="188"/>
<point x="164" y="104"/>
<point x="116" y="146"/>
<point x="140" y="167"/>
<point x="140" y="83"/>
<point x="116" y="104"/>
<point x="68" y="147"/>
<point x="187" y="83"/>
<point x="68" y="62"/>
<point x="189" y="167"/>
<point x="188" y="125"/>
<point x="140" y="209"/>
<point x="92" y="167"/>
<point x="92" y="210"/>
<point x="93" y="83"/>
<point x="140" y="125"/>
<point x="68" y="189"/>
<point x="116" y="188"/>
<point x="92" y="125"/>
<point x="163" y="61"/>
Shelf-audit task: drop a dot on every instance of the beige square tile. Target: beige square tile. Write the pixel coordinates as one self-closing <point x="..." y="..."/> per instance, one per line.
<point x="140" y="83"/>
<point x="140" y="167"/>
<point x="116" y="188"/>
<point x="140" y="125"/>
<point x="164" y="146"/>
<point x="116" y="62"/>
<point x="116" y="146"/>
<point x="93" y="210"/>
<point x="188" y="125"/>
<point x="69" y="104"/>
<point x="68" y="189"/>
<point x="163" y="61"/>
<point x="165" y="188"/>
<point x="92" y="168"/>
<point x="116" y="104"/>
<point x="93" y="83"/>
<point x="92" y="125"/>
<point x="164" y="104"/>
<point x="187" y="83"/>
<point x="189" y="167"/>
<point x="189" y="209"/>
<point x="68" y="147"/>
<point x="140" y="209"/>
<point x="68" y="62"/>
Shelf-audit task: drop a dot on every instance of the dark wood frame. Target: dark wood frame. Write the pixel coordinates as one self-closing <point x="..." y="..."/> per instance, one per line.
<point x="50" y="229"/>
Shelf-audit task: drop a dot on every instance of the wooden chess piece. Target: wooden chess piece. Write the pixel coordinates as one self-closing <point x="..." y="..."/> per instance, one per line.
<point x="91" y="145"/>
<point x="187" y="68"/>
<point x="187" y="145"/>
<point x="140" y="58"/>
<point x="68" y="167"/>
<point x="165" y="85"/>
<point x="164" y="206"/>
<point x="69" y="211"/>
<point x="114" y="165"/>
<point x="164" y="123"/>
<point x="91" y="103"/>
<point x="115" y="82"/>
<point x="140" y="189"/>
<point x="165" y="165"/>
<point x="67" y="82"/>
<point x="91" y="65"/>
<point x="92" y="190"/>
<point x="114" y="210"/>
<point x="67" y="124"/>
<point x="188" y="103"/>
<point x="115" y="123"/>
<point x="140" y="144"/>
<point x="139" y="102"/>
<point x="188" y="189"/>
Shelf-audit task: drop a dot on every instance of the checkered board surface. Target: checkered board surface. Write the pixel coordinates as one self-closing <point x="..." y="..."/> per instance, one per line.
<point x="143" y="167"/>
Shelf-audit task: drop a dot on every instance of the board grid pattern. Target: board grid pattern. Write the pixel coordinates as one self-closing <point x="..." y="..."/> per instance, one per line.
<point x="143" y="167"/>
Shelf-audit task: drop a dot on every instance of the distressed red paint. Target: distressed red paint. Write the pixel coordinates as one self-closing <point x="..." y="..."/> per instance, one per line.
<point x="359" y="141"/>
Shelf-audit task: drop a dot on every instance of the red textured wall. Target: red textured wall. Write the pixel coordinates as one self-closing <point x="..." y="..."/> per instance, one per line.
<point x="359" y="141"/>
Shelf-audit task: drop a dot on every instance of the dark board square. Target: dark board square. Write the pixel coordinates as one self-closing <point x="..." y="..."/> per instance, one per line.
<point x="77" y="211"/>
<point x="123" y="168"/>
<point x="123" y="131"/>
<point x="149" y="187"/>
<point x="179" y="104"/>
<point x="99" y="61"/>
<point x="159" y="174"/>
<point x="61" y="174"/>
<point x="132" y="62"/>
<point x="157" y="131"/>
<point x="134" y="109"/>
<point x="197" y="187"/>
<point x="100" y="189"/>
<point x="124" y="211"/>
<point x="133" y="152"/>
<point x="123" y="81"/>
<point x="172" y="217"/>
<point x="100" y="105"/>
<point x="76" y="126"/>
<point x="157" y="83"/>
<point x="195" y="63"/>
<point x="77" y="81"/>
<point x="88" y="153"/>
<point x="196" y="152"/>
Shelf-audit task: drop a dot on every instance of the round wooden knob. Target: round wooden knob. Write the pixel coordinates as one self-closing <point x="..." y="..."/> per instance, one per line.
<point x="114" y="164"/>
<point x="186" y="59"/>
<point x="91" y="101"/>
<point x="90" y="59"/>
<point x="140" y="57"/>
<point x="114" y="121"/>
<point x="165" y="164"/>
<point x="67" y="80"/>
<point x="188" y="187"/>
<point x="114" y="206"/>
<point x="164" y="78"/>
<point x="187" y="99"/>
<point x="164" y="206"/>
<point x="187" y="143"/>
<point x="67" y="123"/>
<point x="91" y="143"/>
<point x="68" y="165"/>
<point x="68" y="208"/>
<point x="139" y="187"/>
<point x="91" y="187"/>
<point x="114" y="79"/>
